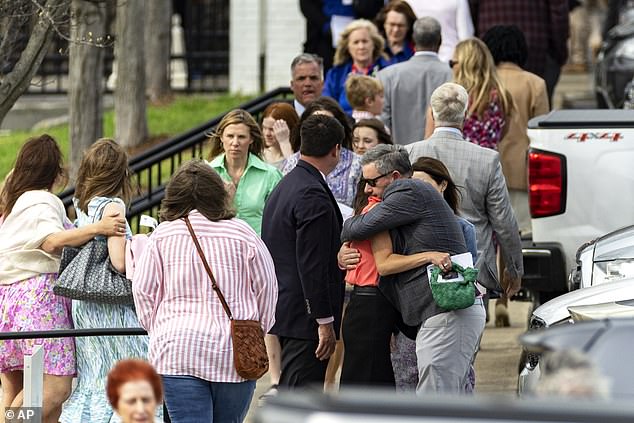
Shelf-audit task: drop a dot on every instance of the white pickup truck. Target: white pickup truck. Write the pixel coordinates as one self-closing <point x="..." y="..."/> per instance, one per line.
<point x="581" y="186"/>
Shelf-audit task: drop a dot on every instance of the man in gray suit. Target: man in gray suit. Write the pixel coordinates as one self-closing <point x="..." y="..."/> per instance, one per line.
<point x="408" y="85"/>
<point x="485" y="198"/>
<point x="418" y="220"/>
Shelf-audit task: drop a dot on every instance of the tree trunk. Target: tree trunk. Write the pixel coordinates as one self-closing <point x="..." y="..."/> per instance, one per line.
<point x="129" y="95"/>
<point x="16" y="82"/>
<point x="85" y="78"/>
<point x="157" y="49"/>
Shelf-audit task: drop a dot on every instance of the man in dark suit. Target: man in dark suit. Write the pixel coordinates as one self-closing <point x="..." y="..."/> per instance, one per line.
<point x="301" y="226"/>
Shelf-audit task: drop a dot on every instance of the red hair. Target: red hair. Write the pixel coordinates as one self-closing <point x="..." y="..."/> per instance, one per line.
<point x="129" y="371"/>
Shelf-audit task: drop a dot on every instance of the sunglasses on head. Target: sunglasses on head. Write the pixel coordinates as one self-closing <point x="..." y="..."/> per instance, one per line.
<point x="372" y="182"/>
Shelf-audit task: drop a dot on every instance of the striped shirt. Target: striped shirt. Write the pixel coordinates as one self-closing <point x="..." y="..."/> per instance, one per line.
<point x="189" y="330"/>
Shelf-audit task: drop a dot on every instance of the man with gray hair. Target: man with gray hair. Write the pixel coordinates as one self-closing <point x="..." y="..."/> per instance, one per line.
<point x="571" y="373"/>
<point x="485" y="198"/>
<point x="307" y="80"/>
<point x="419" y="220"/>
<point x="407" y="85"/>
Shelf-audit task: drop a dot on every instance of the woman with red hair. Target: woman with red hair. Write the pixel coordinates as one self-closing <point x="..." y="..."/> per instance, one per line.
<point x="134" y="390"/>
<point x="279" y="123"/>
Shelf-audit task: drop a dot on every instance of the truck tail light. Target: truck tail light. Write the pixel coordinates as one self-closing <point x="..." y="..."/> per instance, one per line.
<point x="546" y="183"/>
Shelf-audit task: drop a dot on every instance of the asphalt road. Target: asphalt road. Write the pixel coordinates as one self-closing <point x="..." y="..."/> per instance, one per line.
<point x="497" y="361"/>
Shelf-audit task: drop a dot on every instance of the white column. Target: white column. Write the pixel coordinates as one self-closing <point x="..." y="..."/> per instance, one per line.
<point x="245" y="43"/>
<point x="178" y="67"/>
<point x="285" y="34"/>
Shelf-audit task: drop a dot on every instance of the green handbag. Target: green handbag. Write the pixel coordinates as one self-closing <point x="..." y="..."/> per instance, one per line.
<point x="454" y="295"/>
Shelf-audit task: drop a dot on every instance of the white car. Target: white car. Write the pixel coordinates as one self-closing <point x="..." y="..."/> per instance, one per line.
<point x="609" y="258"/>
<point x="613" y="310"/>
<point x="556" y="312"/>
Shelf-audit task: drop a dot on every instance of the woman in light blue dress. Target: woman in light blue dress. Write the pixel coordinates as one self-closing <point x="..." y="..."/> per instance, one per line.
<point x="102" y="182"/>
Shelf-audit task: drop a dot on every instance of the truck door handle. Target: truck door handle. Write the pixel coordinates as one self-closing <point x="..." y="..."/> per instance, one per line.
<point x="528" y="252"/>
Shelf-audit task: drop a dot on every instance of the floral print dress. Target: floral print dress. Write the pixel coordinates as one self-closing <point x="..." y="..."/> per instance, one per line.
<point x="486" y="130"/>
<point x="31" y="305"/>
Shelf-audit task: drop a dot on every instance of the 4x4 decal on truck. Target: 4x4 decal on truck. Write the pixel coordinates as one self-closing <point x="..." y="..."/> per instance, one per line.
<point x="585" y="136"/>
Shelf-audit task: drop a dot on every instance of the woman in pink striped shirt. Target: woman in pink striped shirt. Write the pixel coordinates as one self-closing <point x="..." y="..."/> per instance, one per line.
<point x="190" y="339"/>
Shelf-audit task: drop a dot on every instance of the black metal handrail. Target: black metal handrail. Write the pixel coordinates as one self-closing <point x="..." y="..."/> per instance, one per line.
<point x="72" y="333"/>
<point x="149" y="166"/>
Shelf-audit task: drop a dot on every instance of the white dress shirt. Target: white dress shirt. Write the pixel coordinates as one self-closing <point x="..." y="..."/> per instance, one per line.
<point x="455" y="21"/>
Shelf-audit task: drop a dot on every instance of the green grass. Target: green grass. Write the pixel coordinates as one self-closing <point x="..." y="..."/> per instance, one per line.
<point x="184" y="113"/>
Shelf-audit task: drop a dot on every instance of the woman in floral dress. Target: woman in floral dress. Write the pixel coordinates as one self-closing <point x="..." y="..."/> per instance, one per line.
<point x="490" y="103"/>
<point x="32" y="235"/>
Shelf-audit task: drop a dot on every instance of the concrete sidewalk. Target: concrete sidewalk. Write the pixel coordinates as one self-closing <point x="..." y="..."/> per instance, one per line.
<point x="41" y="111"/>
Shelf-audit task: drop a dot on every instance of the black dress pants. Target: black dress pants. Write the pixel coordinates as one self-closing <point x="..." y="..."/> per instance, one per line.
<point x="367" y="326"/>
<point x="300" y="367"/>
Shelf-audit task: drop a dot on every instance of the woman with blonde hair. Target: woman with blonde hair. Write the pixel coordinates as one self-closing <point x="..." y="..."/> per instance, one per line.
<point x="490" y="103"/>
<point x="33" y="232"/>
<point x="359" y="51"/>
<point x="236" y="154"/>
<point x="103" y="186"/>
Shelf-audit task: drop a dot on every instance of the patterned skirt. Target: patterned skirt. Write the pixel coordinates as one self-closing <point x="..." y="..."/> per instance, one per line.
<point x="96" y="355"/>
<point x="31" y="305"/>
<point x="405" y="366"/>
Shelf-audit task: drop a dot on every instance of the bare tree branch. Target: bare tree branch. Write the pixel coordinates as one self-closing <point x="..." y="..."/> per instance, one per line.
<point x="101" y="41"/>
<point x="16" y="82"/>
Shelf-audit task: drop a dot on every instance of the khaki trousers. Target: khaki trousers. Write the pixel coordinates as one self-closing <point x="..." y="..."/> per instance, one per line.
<point x="445" y="346"/>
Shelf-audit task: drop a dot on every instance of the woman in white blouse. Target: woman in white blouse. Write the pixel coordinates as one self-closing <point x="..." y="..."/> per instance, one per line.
<point x="190" y="338"/>
<point x="33" y="233"/>
<point x="455" y="21"/>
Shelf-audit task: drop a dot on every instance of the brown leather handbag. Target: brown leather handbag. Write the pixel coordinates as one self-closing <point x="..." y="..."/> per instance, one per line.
<point x="247" y="337"/>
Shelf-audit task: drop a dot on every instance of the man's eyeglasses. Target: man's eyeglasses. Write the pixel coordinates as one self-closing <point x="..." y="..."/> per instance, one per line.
<point x="372" y="182"/>
<point x="452" y="63"/>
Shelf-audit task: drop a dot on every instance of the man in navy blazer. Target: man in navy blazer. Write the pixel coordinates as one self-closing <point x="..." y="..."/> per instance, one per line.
<point x="301" y="226"/>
